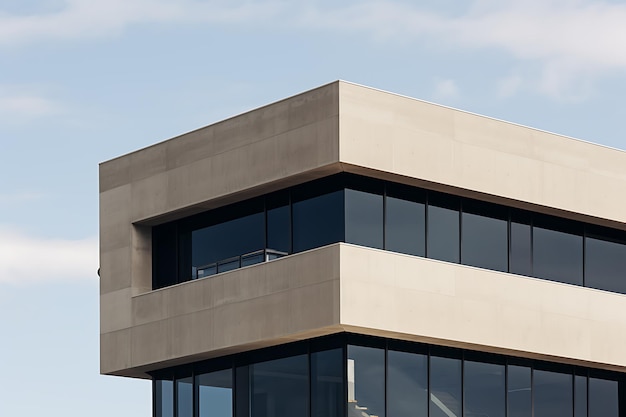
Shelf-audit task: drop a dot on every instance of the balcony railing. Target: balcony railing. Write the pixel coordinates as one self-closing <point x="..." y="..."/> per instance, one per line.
<point x="228" y="264"/>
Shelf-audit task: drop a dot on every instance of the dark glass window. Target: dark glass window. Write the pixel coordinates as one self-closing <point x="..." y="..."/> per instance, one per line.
<point x="484" y="388"/>
<point x="327" y="388"/>
<point x="445" y="387"/>
<point x="520" y="241"/>
<point x="407" y="384"/>
<point x="557" y="253"/>
<point x="405" y="221"/>
<point x="318" y="221"/>
<point x="484" y="236"/>
<point x="605" y="264"/>
<point x="242" y="391"/>
<point x="399" y="381"/>
<point x="220" y="247"/>
<point x="184" y="397"/>
<point x="603" y="398"/>
<point x="443" y="228"/>
<point x="519" y="400"/>
<point x="164" y="255"/>
<point x="552" y="394"/>
<point x="278" y="223"/>
<point x="364" y="218"/>
<point x="580" y="396"/>
<point x="366" y="380"/>
<point x="215" y="394"/>
<point x="163" y="398"/>
<point x="280" y="388"/>
<point x="396" y="217"/>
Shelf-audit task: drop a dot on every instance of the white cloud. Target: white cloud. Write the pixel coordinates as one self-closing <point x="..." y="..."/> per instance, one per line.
<point x="27" y="105"/>
<point x="20" y="103"/>
<point x="89" y="18"/>
<point x="26" y="259"/>
<point x="571" y="42"/>
<point x="446" y="89"/>
<point x="509" y="85"/>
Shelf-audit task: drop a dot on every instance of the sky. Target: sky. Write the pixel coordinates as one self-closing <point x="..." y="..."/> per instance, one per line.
<point x="84" y="81"/>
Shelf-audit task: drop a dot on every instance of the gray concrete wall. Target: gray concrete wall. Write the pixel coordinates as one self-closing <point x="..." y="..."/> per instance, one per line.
<point x="273" y="147"/>
<point x="347" y="127"/>
<point x="288" y="299"/>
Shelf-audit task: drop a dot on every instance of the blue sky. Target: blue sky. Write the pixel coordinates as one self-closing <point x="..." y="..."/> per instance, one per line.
<point x="84" y="81"/>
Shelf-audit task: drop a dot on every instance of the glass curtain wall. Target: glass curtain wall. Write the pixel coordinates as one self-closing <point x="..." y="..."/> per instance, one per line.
<point x="214" y="391"/>
<point x="367" y="377"/>
<point x="407" y="383"/>
<point x="280" y="387"/>
<point x="394" y="217"/>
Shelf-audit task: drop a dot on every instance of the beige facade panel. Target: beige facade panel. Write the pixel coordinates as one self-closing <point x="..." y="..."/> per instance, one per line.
<point x="407" y="297"/>
<point x="508" y="163"/>
<point x="345" y="287"/>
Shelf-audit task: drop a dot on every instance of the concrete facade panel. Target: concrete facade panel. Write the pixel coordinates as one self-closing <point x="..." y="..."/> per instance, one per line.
<point x="149" y="162"/>
<point x="370" y="135"/>
<point x="115" y="269"/>
<point x="270" y="160"/>
<point x="496" y="312"/>
<point x="141" y="259"/>
<point x="115" y="351"/>
<point x="115" y="310"/>
<point x="115" y="219"/>
<point x="260" y="305"/>
<point x="114" y="173"/>
<point x="190" y="147"/>
<point x="344" y="287"/>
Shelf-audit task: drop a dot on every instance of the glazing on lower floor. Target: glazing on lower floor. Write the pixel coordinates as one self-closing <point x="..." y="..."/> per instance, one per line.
<point x="356" y="376"/>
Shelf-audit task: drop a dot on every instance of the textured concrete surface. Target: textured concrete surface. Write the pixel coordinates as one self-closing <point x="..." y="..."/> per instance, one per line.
<point x="346" y="127"/>
<point x="481" y="157"/>
<point x="408" y="297"/>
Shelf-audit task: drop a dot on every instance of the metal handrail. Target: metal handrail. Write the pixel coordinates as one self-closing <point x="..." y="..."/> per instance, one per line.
<point x="239" y="259"/>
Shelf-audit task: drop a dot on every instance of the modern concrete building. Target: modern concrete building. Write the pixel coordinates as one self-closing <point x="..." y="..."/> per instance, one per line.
<point x="351" y="252"/>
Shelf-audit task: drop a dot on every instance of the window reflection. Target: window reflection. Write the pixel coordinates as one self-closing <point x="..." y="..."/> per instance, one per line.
<point x="327" y="388"/>
<point x="519" y="400"/>
<point x="279" y="223"/>
<point x="400" y="218"/>
<point x="603" y="398"/>
<point x="224" y="243"/>
<point x="163" y="398"/>
<point x="318" y="221"/>
<point x="215" y="394"/>
<point x="580" y="396"/>
<point x="557" y="255"/>
<point x="520" y="250"/>
<point x="403" y="380"/>
<point x="405" y="221"/>
<point x="184" y="397"/>
<point x="364" y="218"/>
<point x="484" y="390"/>
<point x="443" y="229"/>
<point x="605" y="264"/>
<point x="552" y="394"/>
<point x="279" y="388"/>
<point x="445" y="387"/>
<point x="407" y="384"/>
<point x="484" y="237"/>
<point x="366" y="381"/>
